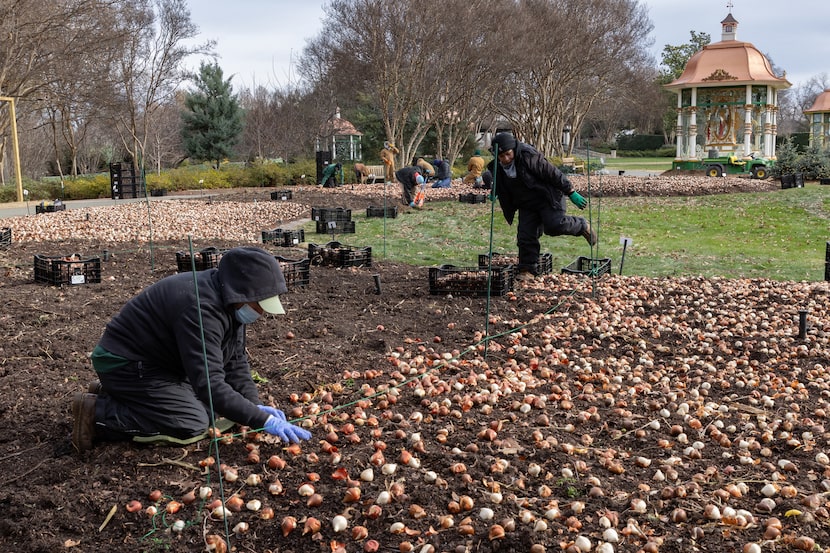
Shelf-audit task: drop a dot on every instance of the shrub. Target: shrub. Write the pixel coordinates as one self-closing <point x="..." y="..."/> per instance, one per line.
<point x="786" y="159"/>
<point x="640" y="142"/>
<point x="814" y="163"/>
<point x="87" y="186"/>
<point x="37" y="191"/>
<point x="185" y="177"/>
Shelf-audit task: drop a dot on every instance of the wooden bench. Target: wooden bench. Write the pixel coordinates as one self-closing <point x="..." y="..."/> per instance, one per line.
<point x="576" y="166"/>
<point x="377" y="173"/>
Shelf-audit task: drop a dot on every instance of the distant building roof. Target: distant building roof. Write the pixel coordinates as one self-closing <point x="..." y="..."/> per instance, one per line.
<point x="728" y="62"/>
<point x="821" y="104"/>
<point x="337" y="126"/>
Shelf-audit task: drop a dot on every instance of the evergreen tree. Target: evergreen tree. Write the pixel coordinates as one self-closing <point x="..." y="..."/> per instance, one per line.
<point x="212" y="120"/>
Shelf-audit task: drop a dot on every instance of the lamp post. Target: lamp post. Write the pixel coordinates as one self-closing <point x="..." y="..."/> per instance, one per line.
<point x="566" y="138"/>
<point x="15" y="146"/>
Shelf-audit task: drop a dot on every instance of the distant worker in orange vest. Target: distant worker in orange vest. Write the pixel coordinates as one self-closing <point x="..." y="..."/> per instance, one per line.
<point x="387" y="156"/>
<point x="475" y="166"/>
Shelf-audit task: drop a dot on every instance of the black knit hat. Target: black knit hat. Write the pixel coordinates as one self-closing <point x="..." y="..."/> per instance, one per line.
<point x="505" y="141"/>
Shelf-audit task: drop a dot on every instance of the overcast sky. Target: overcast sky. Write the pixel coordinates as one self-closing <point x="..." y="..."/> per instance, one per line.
<point x="258" y="41"/>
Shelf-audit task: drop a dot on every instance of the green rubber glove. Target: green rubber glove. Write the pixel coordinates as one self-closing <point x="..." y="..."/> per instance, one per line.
<point x="578" y="200"/>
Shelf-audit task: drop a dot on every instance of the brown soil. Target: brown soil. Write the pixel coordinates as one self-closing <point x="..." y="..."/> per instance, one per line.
<point x="554" y="386"/>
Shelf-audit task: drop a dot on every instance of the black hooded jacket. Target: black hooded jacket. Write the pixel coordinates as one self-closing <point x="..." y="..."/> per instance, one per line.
<point x="543" y="182"/>
<point x="162" y="327"/>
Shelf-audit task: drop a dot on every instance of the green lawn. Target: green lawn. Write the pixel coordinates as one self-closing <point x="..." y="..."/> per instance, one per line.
<point x="781" y="235"/>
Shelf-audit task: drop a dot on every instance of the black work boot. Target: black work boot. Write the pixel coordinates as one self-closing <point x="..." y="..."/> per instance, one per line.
<point x="83" y="420"/>
<point x="95" y="387"/>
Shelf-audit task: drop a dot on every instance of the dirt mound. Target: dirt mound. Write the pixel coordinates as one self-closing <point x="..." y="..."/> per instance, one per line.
<point x="658" y="415"/>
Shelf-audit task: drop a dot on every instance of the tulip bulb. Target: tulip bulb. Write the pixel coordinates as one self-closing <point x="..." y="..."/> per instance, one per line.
<point x="339" y="523"/>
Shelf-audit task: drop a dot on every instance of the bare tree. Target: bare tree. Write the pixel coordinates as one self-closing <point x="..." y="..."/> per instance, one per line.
<point x="280" y="123"/>
<point x="391" y="45"/>
<point x="463" y="76"/>
<point x="43" y="41"/>
<point x="637" y="102"/>
<point x="150" y="67"/>
<point x="564" y="57"/>
<point x="164" y="144"/>
<point x="420" y="65"/>
<point x="257" y="140"/>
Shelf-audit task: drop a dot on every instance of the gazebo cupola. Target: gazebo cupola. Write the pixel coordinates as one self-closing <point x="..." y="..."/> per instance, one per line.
<point x="819" y="116"/>
<point x="727" y="100"/>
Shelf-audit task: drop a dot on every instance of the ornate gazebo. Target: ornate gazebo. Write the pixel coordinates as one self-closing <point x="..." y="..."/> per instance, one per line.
<point x="340" y="137"/>
<point x="819" y="116"/>
<point x="727" y="100"/>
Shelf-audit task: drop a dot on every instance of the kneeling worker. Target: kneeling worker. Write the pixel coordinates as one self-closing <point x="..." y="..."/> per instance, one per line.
<point x="177" y="349"/>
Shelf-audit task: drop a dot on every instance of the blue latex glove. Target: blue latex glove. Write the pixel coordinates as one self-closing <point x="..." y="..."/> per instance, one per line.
<point x="272" y="411"/>
<point x="578" y="200"/>
<point x="286" y="431"/>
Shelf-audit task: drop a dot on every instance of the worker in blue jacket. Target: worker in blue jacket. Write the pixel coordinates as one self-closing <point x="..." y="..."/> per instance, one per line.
<point x="443" y="173"/>
<point x="527" y="182"/>
<point x="178" y="348"/>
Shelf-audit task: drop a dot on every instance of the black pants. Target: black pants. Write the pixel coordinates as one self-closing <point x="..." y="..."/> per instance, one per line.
<point x="408" y="192"/>
<point x="141" y="400"/>
<point x="545" y="220"/>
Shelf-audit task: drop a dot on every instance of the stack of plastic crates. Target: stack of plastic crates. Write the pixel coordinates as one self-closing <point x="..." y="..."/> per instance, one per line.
<point x="333" y="220"/>
<point x="284" y="238"/>
<point x="296" y="272"/>
<point x="208" y="258"/>
<point x="471" y="281"/>
<point x="335" y="254"/>
<point x="68" y="269"/>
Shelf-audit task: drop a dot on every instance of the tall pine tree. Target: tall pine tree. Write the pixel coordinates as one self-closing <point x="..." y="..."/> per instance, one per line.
<point x="212" y="120"/>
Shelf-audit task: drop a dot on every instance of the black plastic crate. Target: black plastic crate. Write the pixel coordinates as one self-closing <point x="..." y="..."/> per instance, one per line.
<point x="390" y="212"/>
<point x="336" y="227"/>
<point x="5" y="238"/>
<point x="472" y="198"/>
<point x="792" y="180"/>
<point x="207" y="258"/>
<point x="325" y="214"/>
<point x="589" y="267"/>
<point x="470" y="281"/>
<point x="284" y="238"/>
<point x="335" y="254"/>
<point x="544" y="267"/>
<point x="50" y="207"/>
<point x="158" y="192"/>
<point x="296" y="272"/>
<point x="68" y="269"/>
<point x="281" y="195"/>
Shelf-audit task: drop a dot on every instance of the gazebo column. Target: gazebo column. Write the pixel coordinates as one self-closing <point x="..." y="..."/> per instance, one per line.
<point x="693" y="126"/>
<point x="692" y="144"/>
<point x="748" y="121"/>
<point x="770" y="126"/>
<point x="678" y="131"/>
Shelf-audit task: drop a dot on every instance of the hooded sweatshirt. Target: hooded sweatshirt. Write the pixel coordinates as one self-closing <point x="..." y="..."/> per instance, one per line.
<point x="162" y="327"/>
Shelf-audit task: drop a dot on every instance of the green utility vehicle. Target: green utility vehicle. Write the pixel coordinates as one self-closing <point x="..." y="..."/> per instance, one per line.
<point x="716" y="166"/>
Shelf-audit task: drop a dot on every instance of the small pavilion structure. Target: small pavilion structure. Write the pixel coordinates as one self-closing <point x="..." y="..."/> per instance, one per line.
<point x="819" y="116"/>
<point x="340" y="137"/>
<point x="727" y="101"/>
